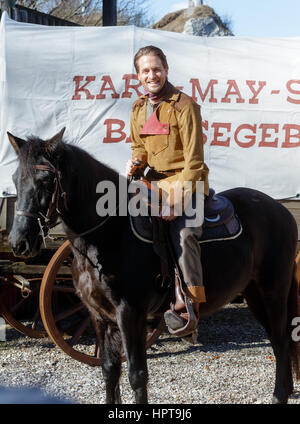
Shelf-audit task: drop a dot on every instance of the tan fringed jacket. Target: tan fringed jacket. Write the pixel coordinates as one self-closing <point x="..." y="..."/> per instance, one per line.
<point x="171" y="140"/>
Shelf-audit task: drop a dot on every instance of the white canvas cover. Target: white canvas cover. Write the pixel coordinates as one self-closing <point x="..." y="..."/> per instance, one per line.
<point x="83" y="78"/>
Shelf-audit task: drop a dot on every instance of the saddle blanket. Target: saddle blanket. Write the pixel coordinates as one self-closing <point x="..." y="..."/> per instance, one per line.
<point x="142" y="228"/>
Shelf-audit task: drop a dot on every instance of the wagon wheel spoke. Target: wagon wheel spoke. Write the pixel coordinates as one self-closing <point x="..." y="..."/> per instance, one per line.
<point x="80" y="330"/>
<point x="69" y="312"/>
<point x="21" y="303"/>
<point x="69" y="328"/>
<point x="64" y="289"/>
<point x="36" y="319"/>
<point x="29" y="326"/>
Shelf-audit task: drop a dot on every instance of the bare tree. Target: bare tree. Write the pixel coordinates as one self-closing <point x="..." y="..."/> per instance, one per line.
<point x="134" y="12"/>
<point x="89" y="12"/>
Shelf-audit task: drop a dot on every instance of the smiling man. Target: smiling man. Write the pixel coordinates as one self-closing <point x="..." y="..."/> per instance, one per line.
<point x="166" y="134"/>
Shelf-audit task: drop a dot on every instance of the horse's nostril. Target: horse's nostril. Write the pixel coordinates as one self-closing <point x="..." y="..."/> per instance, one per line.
<point x="21" y="247"/>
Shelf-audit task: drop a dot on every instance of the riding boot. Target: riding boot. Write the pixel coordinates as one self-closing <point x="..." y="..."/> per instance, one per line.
<point x="183" y="317"/>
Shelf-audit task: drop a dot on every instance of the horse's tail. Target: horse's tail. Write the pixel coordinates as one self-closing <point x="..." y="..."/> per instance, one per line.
<point x="294" y="323"/>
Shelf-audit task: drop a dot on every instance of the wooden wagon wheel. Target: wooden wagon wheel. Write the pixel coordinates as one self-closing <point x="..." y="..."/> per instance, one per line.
<point x="71" y="328"/>
<point x="25" y="294"/>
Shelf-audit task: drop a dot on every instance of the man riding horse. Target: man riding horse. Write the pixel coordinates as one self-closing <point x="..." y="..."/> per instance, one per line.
<point x="166" y="134"/>
<point x="54" y="179"/>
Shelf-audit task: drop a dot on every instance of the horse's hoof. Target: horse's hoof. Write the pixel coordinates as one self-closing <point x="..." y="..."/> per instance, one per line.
<point x="276" y="401"/>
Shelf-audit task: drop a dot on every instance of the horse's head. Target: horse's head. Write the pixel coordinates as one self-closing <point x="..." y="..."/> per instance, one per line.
<point x="37" y="182"/>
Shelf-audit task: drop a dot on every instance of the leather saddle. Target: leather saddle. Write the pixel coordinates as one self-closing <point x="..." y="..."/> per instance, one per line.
<point x="220" y="221"/>
<point x="218" y="210"/>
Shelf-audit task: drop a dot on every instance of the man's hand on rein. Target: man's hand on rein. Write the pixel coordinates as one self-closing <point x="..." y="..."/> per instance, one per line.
<point x="132" y="165"/>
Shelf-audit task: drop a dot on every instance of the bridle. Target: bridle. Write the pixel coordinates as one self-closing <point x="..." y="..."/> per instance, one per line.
<point x="45" y="221"/>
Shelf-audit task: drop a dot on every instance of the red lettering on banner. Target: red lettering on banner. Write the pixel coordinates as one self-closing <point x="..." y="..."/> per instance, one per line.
<point x="292" y="91"/>
<point x="235" y="92"/>
<point x="244" y="135"/>
<point x="210" y="87"/>
<point x="248" y="137"/>
<point x="128" y="78"/>
<point x="288" y="128"/>
<point x="205" y="126"/>
<point x="261" y="84"/>
<point x="110" y="130"/>
<point x="107" y="82"/>
<point x="268" y="143"/>
<point x="132" y="87"/>
<point x="78" y="89"/>
<point x="217" y="133"/>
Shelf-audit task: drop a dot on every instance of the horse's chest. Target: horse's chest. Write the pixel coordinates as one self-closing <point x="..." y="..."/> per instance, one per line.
<point x="86" y="276"/>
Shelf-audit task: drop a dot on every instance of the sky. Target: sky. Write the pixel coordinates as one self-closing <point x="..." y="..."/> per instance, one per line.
<point x="250" y="18"/>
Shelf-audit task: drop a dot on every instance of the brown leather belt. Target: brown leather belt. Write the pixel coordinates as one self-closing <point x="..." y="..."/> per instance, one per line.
<point x="170" y="173"/>
<point x="153" y="175"/>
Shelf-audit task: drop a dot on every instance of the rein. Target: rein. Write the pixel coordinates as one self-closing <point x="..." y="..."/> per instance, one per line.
<point x="53" y="206"/>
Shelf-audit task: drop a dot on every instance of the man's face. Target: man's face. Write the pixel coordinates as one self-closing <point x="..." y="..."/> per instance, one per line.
<point x="151" y="73"/>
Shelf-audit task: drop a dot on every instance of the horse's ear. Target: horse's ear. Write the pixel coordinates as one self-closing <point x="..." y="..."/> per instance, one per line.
<point x="16" y="142"/>
<point x="52" y="145"/>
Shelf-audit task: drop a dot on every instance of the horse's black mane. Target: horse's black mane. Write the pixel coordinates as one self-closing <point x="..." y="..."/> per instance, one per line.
<point x="78" y="168"/>
<point x="67" y="158"/>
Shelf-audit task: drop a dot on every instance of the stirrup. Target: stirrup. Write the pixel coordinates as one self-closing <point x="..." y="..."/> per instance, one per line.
<point x="177" y="325"/>
<point x="191" y="338"/>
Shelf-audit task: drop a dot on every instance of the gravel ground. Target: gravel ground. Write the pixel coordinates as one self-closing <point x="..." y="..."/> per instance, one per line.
<point x="231" y="363"/>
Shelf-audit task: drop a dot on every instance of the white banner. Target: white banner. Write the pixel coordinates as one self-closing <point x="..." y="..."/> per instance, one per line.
<point x="83" y="78"/>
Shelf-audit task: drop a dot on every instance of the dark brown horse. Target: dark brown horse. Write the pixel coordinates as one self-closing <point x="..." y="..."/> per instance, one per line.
<point x="115" y="273"/>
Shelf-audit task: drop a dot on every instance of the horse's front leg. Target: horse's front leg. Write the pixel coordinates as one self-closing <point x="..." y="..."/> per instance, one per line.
<point x="133" y="332"/>
<point x="110" y="344"/>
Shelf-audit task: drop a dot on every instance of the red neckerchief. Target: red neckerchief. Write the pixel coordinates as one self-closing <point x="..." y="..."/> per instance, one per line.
<point x="160" y="94"/>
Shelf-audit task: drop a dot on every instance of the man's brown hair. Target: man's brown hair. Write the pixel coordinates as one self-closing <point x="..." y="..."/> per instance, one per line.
<point x="150" y="51"/>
